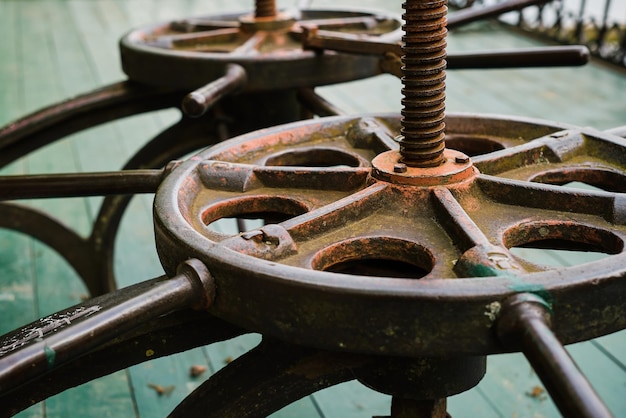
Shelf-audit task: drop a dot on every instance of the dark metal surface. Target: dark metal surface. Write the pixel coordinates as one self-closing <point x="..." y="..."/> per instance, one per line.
<point x="411" y="408"/>
<point x="563" y="56"/>
<point x="268" y="377"/>
<point x="92" y="258"/>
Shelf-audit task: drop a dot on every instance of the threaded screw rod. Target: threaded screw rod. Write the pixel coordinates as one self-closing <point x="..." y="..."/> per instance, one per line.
<point x="422" y="142"/>
<point x="265" y="8"/>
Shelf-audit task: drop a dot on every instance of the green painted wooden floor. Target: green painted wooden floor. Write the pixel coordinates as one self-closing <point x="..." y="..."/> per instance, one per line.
<point x="54" y="49"/>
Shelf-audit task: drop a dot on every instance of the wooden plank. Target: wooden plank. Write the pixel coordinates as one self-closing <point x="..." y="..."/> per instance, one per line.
<point x="603" y="373"/>
<point x="57" y="285"/>
<point x="18" y="304"/>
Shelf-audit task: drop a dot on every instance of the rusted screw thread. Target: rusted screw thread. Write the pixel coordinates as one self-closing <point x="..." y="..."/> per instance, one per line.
<point x="423" y="79"/>
<point x="265" y="8"/>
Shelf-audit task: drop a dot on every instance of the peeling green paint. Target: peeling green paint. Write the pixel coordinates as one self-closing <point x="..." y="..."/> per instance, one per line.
<point x="521" y="287"/>
<point x="50" y="355"/>
<point x="516" y="282"/>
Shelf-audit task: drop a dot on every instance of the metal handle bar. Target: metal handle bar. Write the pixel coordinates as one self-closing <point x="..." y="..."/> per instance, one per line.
<point x="524" y="324"/>
<point x="57" y="339"/>
<point x="551" y="56"/>
<point x="165" y="335"/>
<point x="473" y="14"/>
<point x="196" y="103"/>
<point x="80" y="184"/>
<point x="554" y="56"/>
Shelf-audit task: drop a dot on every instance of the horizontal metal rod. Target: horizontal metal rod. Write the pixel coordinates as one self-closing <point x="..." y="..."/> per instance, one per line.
<point x="79" y="184"/>
<point x="166" y="335"/>
<point x="60" y="338"/>
<point x="196" y="103"/>
<point x="551" y="56"/>
<point x="474" y="14"/>
<point x="524" y="324"/>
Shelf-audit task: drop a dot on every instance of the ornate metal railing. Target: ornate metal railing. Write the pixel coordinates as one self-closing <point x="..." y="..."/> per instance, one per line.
<point x="598" y="24"/>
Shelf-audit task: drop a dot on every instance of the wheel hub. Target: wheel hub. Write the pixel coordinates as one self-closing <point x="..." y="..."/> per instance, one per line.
<point x="456" y="168"/>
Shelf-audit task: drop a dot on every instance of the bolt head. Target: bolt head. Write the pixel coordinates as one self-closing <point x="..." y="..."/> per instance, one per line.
<point x="399" y="168"/>
<point x="461" y="160"/>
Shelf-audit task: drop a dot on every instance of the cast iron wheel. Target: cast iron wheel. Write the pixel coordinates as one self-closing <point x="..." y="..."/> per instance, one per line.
<point x="420" y="250"/>
<point x="268" y="48"/>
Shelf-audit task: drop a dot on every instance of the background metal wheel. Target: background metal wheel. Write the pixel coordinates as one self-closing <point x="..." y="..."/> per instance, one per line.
<point x="269" y="48"/>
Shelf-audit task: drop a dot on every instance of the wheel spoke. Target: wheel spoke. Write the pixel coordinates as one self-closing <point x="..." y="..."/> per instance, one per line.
<point x="548" y="217"/>
<point x="358" y="25"/>
<point x="245" y="177"/>
<point x="218" y="40"/>
<point x="481" y="255"/>
<point x="524" y="324"/>
<point x="561" y="158"/>
<point x="279" y="241"/>
<point x="200" y="24"/>
<point x="164" y="336"/>
<point x="252" y="45"/>
<point x="267" y="378"/>
<point x="535" y="198"/>
<point x="60" y="338"/>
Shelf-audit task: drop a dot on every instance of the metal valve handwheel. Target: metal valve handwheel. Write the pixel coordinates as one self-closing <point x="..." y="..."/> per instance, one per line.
<point x="362" y="248"/>
<point x="267" y="45"/>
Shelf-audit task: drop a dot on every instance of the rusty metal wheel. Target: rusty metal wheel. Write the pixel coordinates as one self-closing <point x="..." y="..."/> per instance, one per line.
<point x="269" y="48"/>
<point x="362" y="253"/>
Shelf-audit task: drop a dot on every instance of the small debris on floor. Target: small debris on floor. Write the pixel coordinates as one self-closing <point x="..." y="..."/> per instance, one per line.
<point x="161" y="390"/>
<point x="537" y="392"/>
<point x="196" y="370"/>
